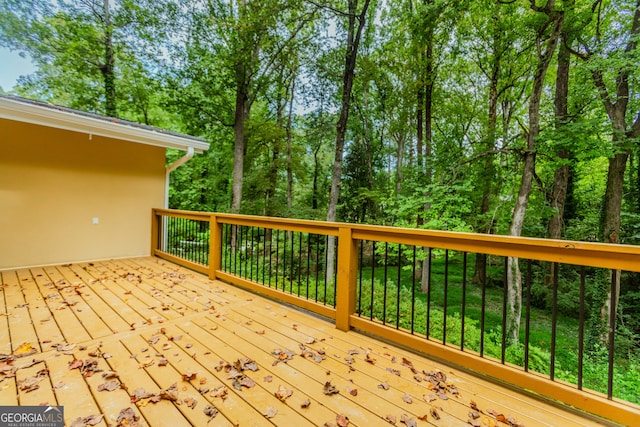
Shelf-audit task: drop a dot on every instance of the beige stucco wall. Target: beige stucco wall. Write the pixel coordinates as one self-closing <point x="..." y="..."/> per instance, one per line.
<point x="53" y="183"/>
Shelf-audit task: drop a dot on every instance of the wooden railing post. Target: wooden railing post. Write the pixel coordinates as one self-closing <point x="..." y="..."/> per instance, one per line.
<point x="155" y="232"/>
<point x="346" y="280"/>
<point x="215" y="246"/>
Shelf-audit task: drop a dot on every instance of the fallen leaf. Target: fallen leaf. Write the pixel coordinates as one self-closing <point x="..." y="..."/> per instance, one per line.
<point x="127" y="417"/>
<point x="268" y="379"/>
<point x="384" y="385"/>
<point x="170" y="393"/>
<point x="474" y="415"/>
<point x="310" y="340"/>
<point x="210" y="411"/>
<point x="342" y="420"/>
<point x="352" y="391"/>
<point x="190" y="402"/>
<point x="390" y="419"/>
<point x="189" y="376"/>
<point x="423" y="418"/>
<point x="369" y="359"/>
<point x="435" y="414"/>
<point x="247" y="382"/>
<point x="407" y="398"/>
<point x="409" y="422"/>
<point x="283" y="393"/>
<point x="163" y="362"/>
<point x="220" y="391"/>
<point x="305" y="404"/>
<point x="109" y="386"/>
<point x="270" y="412"/>
<point x="75" y="364"/>
<point x="393" y="371"/>
<point x="474" y="422"/>
<point x="353" y="352"/>
<point x="91" y="420"/>
<point x="329" y="389"/>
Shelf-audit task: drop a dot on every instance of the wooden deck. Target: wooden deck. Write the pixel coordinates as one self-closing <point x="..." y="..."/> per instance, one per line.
<point x="179" y="349"/>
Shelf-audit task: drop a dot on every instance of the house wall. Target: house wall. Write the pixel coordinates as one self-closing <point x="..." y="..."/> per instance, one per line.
<point x="53" y="183"/>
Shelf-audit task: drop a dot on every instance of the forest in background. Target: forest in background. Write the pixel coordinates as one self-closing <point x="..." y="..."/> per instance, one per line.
<point x="517" y="117"/>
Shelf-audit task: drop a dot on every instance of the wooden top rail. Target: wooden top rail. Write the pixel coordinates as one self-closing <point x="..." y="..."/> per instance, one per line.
<point x="603" y="255"/>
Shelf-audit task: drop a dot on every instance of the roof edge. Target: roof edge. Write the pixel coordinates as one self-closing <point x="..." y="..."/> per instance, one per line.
<point x="40" y="113"/>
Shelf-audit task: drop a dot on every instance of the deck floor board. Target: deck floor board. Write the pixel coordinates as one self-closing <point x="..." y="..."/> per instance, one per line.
<point x="155" y="324"/>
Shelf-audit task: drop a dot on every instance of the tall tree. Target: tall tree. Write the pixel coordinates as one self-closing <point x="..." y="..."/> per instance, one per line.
<point x="547" y="36"/>
<point x="356" y="21"/>
<point x="613" y="57"/>
<point x="77" y="46"/>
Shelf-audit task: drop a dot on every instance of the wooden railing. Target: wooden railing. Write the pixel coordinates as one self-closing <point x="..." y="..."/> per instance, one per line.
<point x="414" y="287"/>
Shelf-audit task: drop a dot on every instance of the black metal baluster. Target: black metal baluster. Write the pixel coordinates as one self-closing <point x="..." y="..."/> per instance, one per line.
<point x="612" y="330"/>
<point x="554" y="321"/>
<point x="483" y="307"/>
<point x="413" y="290"/>
<point x="463" y="309"/>
<point x="428" y="331"/>
<point x="299" y="260"/>
<point x="527" y="325"/>
<point x="504" y="307"/>
<point x="277" y="256"/>
<point x="398" y="288"/>
<point x="373" y="276"/>
<point x="270" y="254"/>
<point x="446" y="294"/>
<point x="308" y="263"/>
<point x="360" y="267"/>
<point x="318" y="264"/>
<point x="291" y="272"/>
<point x="581" y="328"/>
<point x="386" y="270"/>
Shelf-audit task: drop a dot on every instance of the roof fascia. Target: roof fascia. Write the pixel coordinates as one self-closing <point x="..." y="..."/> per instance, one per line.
<point x="50" y="117"/>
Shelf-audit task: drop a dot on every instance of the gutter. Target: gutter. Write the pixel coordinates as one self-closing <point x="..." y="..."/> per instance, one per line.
<point x="173" y="166"/>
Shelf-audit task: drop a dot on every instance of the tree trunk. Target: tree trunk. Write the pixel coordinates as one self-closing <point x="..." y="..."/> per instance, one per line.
<point x="514" y="278"/>
<point x="353" y="41"/>
<point x="108" y="68"/>
<point x="617" y="111"/>
<point x="289" y="140"/>
<point x="487" y="175"/>
<point x="240" y="117"/>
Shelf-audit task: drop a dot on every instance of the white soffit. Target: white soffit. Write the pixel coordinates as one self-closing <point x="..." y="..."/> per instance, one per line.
<point x="24" y="110"/>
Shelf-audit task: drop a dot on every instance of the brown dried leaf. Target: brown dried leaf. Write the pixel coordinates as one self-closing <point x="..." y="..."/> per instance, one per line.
<point x="283" y="393"/>
<point x="163" y="362"/>
<point x="90" y="420"/>
<point x="220" y="391"/>
<point x="305" y="404"/>
<point x="369" y="359"/>
<point x="390" y="419"/>
<point x="435" y="414"/>
<point x="268" y="379"/>
<point x="247" y="382"/>
<point x="409" y="422"/>
<point x="210" y="411"/>
<point x="474" y="422"/>
<point x="75" y="364"/>
<point x="352" y="391"/>
<point x="342" y="420"/>
<point x="190" y="402"/>
<point x="473" y="405"/>
<point x="109" y="386"/>
<point x="127" y="417"/>
<point x="329" y="389"/>
<point x="170" y="393"/>
<point x="270" y="412"/>
<point x="407" y="398"/>
<point x="189" y="376"/>
<point x="474" y="415"/>
<point x="423" y="418"/>
<point x="393" y="371"/>
<point x="384" y="385"/>
<point x="353" y="352"/>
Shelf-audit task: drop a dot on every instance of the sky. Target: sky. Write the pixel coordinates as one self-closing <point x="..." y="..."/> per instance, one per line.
<point x="12" y="66"/>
